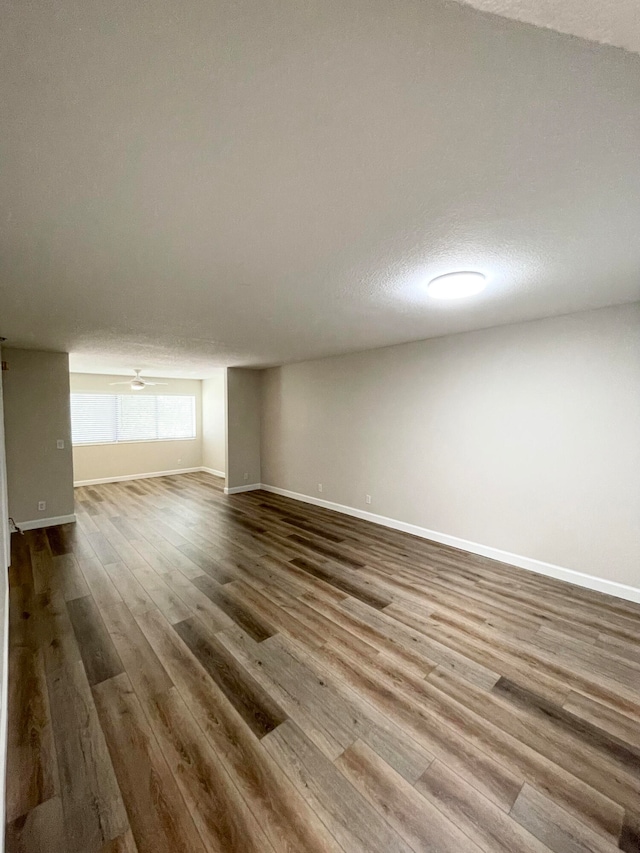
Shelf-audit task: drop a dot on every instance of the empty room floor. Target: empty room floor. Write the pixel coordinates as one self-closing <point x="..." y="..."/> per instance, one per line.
<point x="191" y="672"/>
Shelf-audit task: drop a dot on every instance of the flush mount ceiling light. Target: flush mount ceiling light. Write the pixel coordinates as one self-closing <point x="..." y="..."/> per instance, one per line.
<point x="456" y="285"/>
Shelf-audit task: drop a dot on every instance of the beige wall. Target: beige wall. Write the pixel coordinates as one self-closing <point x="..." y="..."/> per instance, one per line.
<point x="214" y="422"/>
<point x="524" y="438"/>
<point x="4" y="615"/>
<point x="243" y="426"/>
<point x="5" y="548"/>
<point x="36" y="415"/>
<point x="100" y="461"/>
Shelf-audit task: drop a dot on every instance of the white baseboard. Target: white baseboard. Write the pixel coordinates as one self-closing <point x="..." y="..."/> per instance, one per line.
<point x="234" y="490"/>
<point x="620" y="590"/>
<point x="212" y="471"/>
<point x="35" y="523"/>
<point x="124" y="477"/>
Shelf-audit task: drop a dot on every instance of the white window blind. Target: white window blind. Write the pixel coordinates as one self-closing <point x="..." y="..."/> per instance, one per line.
<point x="110" y="418"/>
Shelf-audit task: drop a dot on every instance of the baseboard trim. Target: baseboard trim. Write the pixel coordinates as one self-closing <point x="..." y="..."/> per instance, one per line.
<point x="619" y="590"/>
<point x="213" y="471"/>
<point x="234" y="490"/>
<point x="122" y="478"/>
<point x="35" y="523"/>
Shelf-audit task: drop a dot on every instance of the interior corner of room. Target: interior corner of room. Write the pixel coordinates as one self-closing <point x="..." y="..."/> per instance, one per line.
<point x="320" y="427"/>
<point x="102" y="462"/>
<point x="489" y="441"/>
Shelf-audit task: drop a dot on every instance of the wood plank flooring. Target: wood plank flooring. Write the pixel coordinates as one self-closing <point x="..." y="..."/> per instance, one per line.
<point x="195" y="672"/>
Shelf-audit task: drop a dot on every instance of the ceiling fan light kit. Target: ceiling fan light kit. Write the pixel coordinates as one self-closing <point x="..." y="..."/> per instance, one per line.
<point x="138" y="383"/>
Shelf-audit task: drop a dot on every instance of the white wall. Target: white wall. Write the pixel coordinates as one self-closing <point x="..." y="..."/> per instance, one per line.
<point x="214" y="422"/>
<point x="4" y="618"/>
<point x="524" y="438"/>
<point x="243" y="391"/>
<point x="103" y="461"/>
<point x="36" y="415"/>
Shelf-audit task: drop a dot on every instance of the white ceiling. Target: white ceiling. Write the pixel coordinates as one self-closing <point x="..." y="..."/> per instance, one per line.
<point x="212" y="182"/>
<point x="614" y="22"/>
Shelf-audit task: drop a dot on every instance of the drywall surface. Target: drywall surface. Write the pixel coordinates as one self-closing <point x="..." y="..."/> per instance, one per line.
<point x="523" y="438"/>
<point x="36" y="415"/>
<point x="214" y="423"/>
<point x="4" y="620"/>
<point x="331" y="156"/>
<point x="101" y="461"/>
<point x="610" y="23"/>
<point x="243" y="391"/>
<point x="5" y="536"/>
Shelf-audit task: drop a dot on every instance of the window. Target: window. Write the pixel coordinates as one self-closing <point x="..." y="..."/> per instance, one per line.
<point x="111" y="418"/>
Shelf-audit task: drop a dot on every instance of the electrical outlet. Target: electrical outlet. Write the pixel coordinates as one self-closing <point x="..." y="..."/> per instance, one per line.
<point x="246" y="476"/>
<point x="319" y="487"/>
<point x="42" y="505"/>
<point x="367" y="499"/>
<point x="60" y="444"/>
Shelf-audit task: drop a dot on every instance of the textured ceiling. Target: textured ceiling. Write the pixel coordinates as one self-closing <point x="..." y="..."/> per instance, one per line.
<point x="615" y="22"/>
<point x="258" y="181"/>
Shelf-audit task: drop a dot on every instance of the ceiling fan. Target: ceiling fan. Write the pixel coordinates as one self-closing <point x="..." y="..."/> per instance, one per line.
<point x="137" y="383"/>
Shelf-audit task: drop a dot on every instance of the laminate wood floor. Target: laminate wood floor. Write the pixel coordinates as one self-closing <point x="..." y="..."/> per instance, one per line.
<point x="194" y="672"/>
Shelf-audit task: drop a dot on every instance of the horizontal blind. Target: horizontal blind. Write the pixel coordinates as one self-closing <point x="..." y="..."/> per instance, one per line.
<point x="94" y="418"/>
<point x="137" y="418"/>
<point x="112" y="418"/>
<point x="176" y="417"/>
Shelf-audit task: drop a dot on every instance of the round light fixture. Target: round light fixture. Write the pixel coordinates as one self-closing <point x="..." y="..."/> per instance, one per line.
<point x="456" y="285"/>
